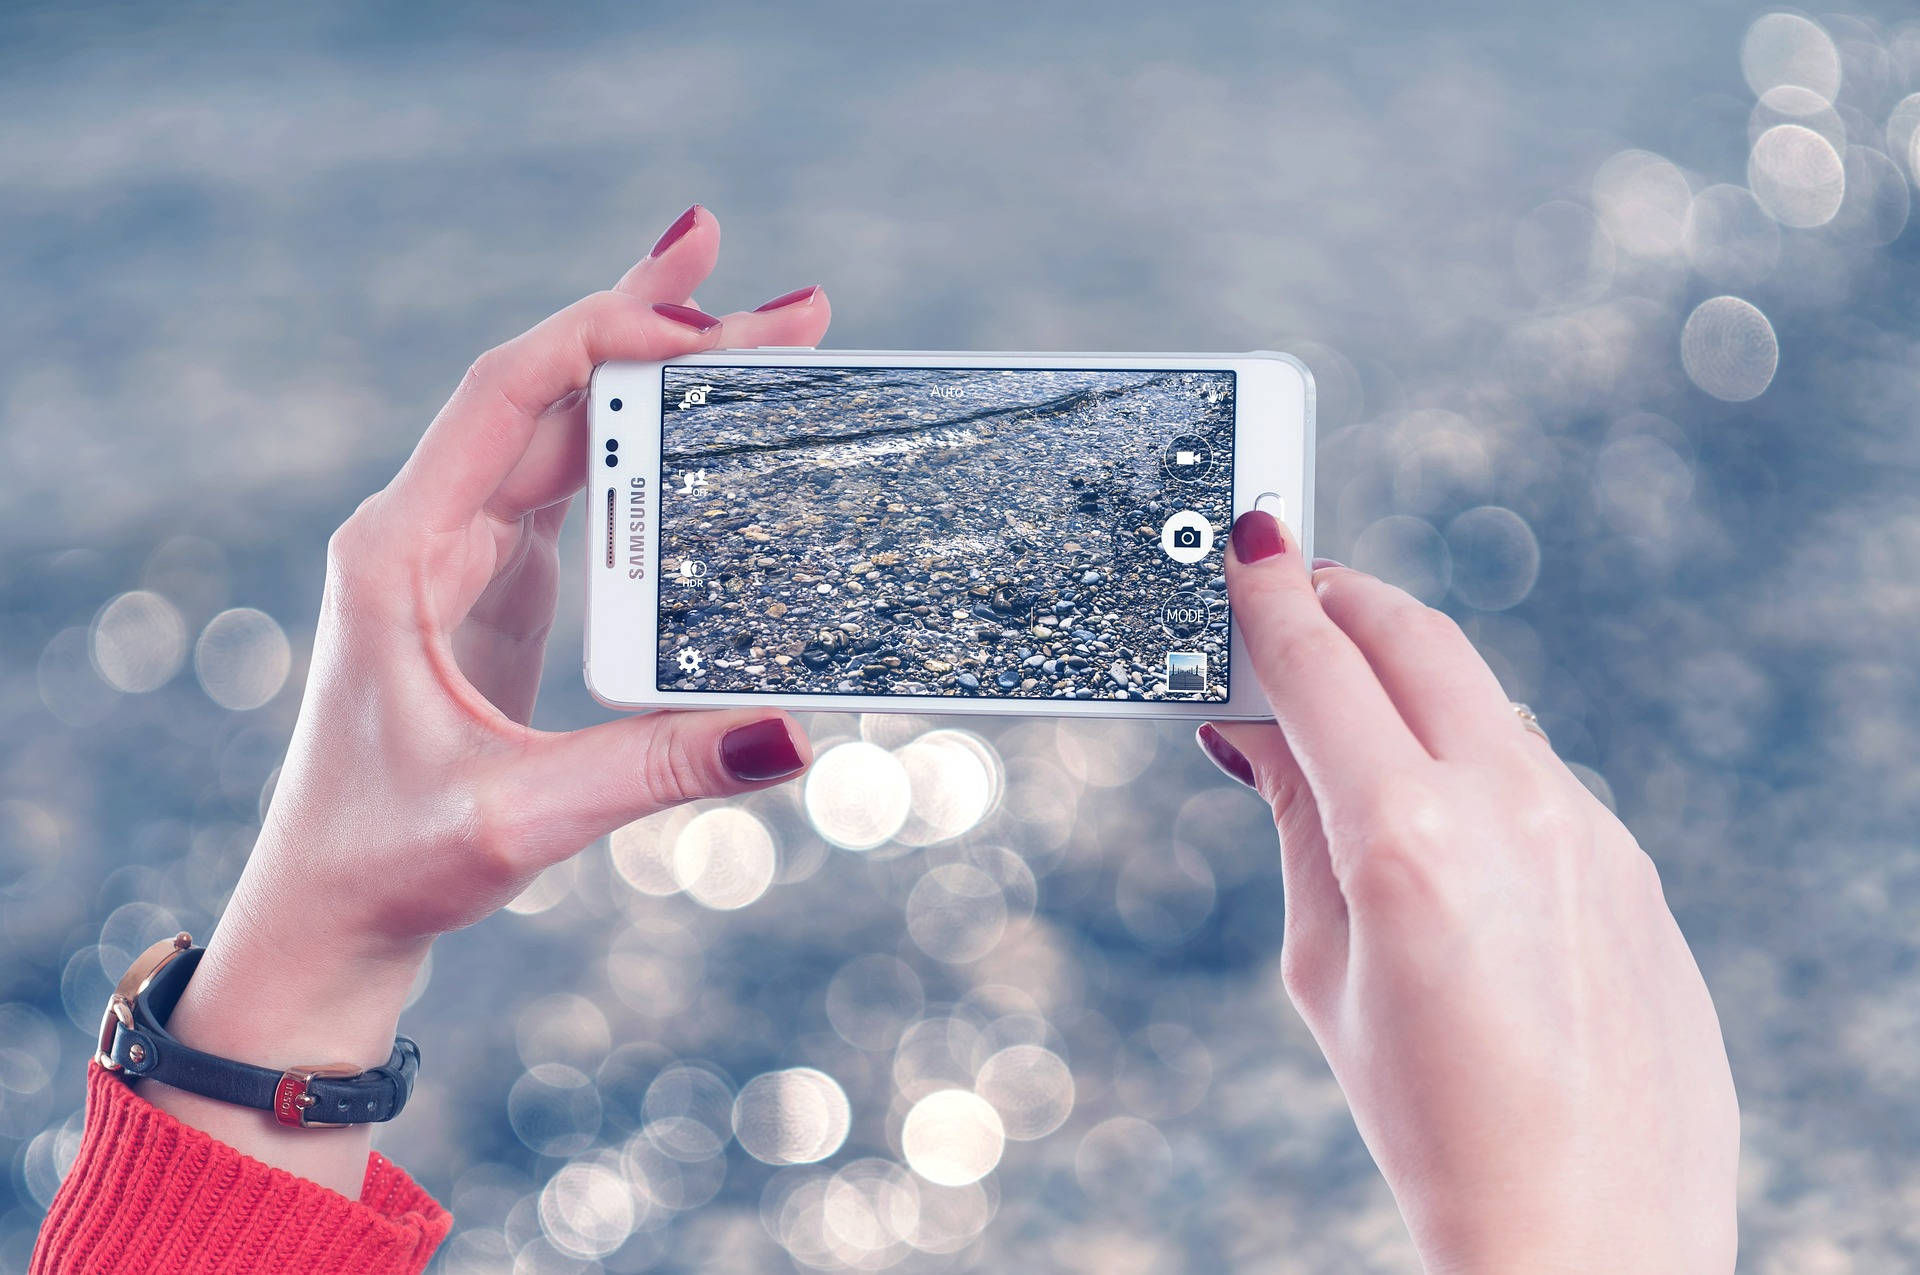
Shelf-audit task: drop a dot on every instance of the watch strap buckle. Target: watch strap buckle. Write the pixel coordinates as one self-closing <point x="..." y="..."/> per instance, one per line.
<point x="293" y="1095"/>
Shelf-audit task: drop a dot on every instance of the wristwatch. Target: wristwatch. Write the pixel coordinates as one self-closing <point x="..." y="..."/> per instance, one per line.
<point x="134" y="1042"/>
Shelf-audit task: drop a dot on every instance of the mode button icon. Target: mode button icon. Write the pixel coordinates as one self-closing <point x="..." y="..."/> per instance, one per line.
<point x="1186" y="614"/>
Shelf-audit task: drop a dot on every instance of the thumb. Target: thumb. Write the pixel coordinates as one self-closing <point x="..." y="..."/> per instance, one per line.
<point x="583" y="784"/>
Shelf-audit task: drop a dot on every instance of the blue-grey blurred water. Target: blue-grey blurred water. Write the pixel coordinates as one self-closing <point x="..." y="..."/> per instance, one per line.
<point x="246" y="255"/>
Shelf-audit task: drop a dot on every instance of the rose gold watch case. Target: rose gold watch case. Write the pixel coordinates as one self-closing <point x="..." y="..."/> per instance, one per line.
<point x="132" y="983"/>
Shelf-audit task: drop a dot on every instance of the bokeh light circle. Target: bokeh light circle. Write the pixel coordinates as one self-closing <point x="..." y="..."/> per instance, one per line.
<point x="724" y="858"/>
<point x="858" y="795"/>
<point x="666" y="1183"/>
<point x="1785" y="48"/>
<point x="1031" y="1087"/>
<point x="1797" y="176"/>
<point x="952" y="1137"/>
<point x="1124" y="1160"/>
<point x="955" y="779"/>
<point x="933" y="1054"/>
<point x="796" y="1116"/>
<point x="554" y="1109"/>
<point x="872" y="1211"/>
<point x="642" y="851"/>
<point x="956" y="913"/>
<point x="587" y="1210"/>
<point x="688" y="1112"/>
<point x="242" y="658"/>
<point x="1728" y="349"/>
<point x="1496" y="557"/>
<point x="131" y="929"/>
<point x="139" y="642"/>
<point x="1642" y="201"/>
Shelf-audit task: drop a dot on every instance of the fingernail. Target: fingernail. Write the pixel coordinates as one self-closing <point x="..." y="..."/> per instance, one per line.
<point x="1326" y="562"/>
<point x="1232" y="762"/>
<point x="698" y="320"/>
<point x="760" y="751"/>
<point x="788" y="298"/>
<point x="673" y="234"/>
<point x="1256" y="535"/>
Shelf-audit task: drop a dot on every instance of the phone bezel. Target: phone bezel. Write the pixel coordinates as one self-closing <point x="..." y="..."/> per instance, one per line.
<point x="1273" y="453"/>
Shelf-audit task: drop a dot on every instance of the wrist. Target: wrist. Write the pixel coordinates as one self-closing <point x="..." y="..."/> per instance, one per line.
<point x="282" y="986"/>
<point x="289" y="1004"/>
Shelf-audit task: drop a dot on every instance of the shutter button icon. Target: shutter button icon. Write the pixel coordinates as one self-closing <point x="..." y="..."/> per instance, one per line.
<point x="1187" y="537"/>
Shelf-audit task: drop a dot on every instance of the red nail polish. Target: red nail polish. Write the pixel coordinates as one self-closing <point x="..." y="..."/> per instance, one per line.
<point x="760" y="751"/>
<point x="1256" y="535"/>
<point x="1231" y="761"/>
<point x="788" y="298"/>
<point x="698" y="320"/>
<point x="681" y="225"/>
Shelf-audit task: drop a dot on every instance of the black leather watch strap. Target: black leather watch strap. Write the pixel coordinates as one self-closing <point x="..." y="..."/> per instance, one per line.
<point x="305" y="1097"/>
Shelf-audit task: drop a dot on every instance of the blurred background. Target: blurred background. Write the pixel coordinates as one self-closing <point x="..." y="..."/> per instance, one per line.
<point x="1611" y="312"/>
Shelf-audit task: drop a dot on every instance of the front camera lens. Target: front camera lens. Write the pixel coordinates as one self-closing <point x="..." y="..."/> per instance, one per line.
<point x="614" y="405"/>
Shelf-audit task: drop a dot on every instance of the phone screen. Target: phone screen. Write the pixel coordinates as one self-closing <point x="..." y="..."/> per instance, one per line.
<point x="1020" y="533"/>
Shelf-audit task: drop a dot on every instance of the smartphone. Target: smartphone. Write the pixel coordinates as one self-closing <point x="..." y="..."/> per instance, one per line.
<point x="934" y="532"/>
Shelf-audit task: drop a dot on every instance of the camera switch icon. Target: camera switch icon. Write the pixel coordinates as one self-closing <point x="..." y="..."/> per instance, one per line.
<point x="1187" y="537"/>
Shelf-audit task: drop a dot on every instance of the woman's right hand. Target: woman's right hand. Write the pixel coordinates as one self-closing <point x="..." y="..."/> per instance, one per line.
<point x="1479" y="946"/>
<point x="415" y="797"/>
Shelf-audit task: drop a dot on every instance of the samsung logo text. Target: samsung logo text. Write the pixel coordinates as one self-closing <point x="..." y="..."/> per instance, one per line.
<point x="636" y="528"/>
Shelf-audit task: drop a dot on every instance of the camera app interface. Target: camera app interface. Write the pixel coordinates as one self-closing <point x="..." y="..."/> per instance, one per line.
<point x="1016" y="533"/>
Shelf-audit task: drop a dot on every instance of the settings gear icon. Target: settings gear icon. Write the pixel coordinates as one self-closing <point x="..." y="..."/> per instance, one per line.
<point x="690" y="662"/>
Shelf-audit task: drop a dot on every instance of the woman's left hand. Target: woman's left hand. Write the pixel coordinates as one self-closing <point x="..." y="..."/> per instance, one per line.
<point x="415" y="797"/>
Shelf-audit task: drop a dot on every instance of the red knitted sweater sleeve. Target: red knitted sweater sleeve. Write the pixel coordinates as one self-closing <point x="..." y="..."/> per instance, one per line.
<point x="148" y="1193"/>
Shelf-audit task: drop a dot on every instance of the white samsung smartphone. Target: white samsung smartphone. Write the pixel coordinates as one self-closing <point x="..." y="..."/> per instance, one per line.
<point x="934" y="532"/>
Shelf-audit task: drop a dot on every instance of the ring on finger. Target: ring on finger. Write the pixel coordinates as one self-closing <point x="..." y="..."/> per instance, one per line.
<point x="1528" y="720"/>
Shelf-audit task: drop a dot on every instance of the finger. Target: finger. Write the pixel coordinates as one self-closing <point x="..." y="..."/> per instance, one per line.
<point x="1443" y="690"/>
<point x="1338" y="720"/>
<point x="486" y="427"/>
<point x="799" y="317"/>
<point x="680" y="260"/>
<point x="1316" y="919"/>
<point x="555" y="462"/>
<point x="501" y="645"/>
<point x="585" y="783"/>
